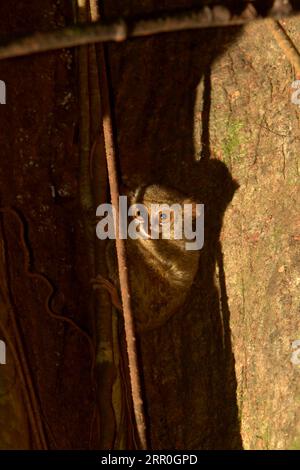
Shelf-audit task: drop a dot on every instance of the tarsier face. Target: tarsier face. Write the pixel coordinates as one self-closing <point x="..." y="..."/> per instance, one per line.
<point x="162" y="213"/>
<point x="161" y="269"/>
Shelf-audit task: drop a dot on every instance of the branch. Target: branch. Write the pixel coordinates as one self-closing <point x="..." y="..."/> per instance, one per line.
<point x="286" y="44"/>
<point x="122" y="29"/>
<point x="129" y="326"/>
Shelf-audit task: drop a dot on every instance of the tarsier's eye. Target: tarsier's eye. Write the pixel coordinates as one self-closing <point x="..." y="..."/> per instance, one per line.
<point x="138" y="214"/>
<point x="163" y="217"/>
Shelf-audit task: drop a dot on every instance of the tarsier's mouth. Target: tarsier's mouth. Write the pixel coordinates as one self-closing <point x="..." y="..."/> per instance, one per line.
<point x="146" y="230"/>
<point x="143" y="232"/>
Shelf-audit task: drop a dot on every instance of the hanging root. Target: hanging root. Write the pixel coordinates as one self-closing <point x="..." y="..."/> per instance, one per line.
<point x="18" y="352"/>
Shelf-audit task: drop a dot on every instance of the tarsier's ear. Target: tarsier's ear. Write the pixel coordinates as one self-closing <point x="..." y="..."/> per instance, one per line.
<point x="124" y="188"/>
<point x="133" y="187"/>
<point x="196" y="210"/>
<point x="133" y="181"/>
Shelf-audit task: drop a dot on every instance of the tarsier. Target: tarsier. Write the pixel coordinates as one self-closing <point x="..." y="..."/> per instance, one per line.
<point x="161" y="271"/>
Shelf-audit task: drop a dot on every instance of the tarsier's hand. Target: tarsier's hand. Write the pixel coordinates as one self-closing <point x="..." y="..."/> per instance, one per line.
<point x="99" y="282"/>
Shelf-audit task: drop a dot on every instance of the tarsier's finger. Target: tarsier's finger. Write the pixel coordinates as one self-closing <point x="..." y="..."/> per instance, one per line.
<point x="101" y="283"/>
